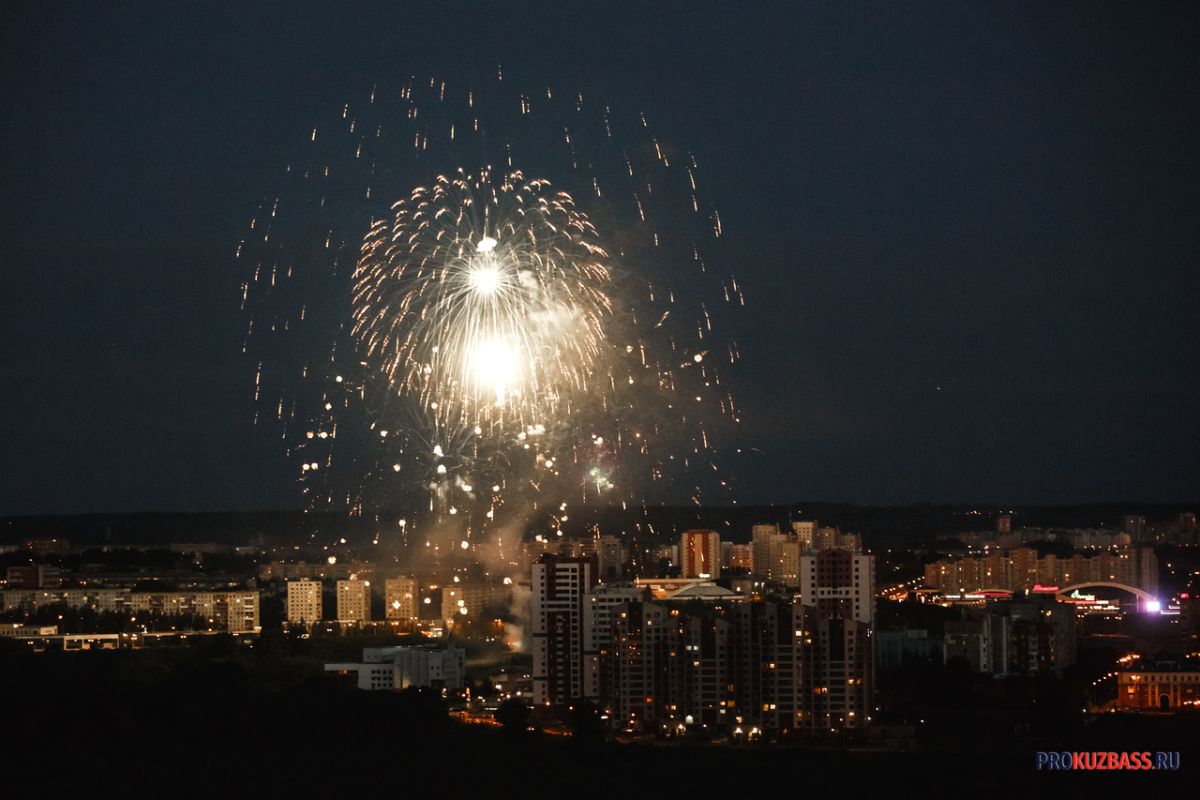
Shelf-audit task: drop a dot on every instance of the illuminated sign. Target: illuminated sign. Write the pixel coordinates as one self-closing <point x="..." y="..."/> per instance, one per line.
<point x="1076" y="597"/>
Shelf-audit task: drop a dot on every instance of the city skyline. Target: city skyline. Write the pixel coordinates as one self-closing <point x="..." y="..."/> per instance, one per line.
<point x="1056" y="646"/>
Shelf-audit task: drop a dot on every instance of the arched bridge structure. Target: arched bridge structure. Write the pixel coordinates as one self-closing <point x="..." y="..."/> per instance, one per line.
<point x="1142" y="594"/>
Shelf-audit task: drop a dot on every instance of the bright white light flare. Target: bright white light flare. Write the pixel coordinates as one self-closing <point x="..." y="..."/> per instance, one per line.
<point x="484" y="329"/>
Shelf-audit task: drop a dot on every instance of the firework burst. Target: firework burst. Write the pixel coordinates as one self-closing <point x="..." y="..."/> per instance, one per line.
<point x="486" y="301"/>
<point x="429" y="330"/>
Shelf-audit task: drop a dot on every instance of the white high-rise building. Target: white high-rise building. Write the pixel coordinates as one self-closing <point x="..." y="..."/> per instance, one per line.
<point x="558" y="585"/>
<point x="304" y="601"/>
<point x="353" y="600"/>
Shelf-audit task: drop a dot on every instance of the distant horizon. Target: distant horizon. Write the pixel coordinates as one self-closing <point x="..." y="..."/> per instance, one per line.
<point x="986" y="506"/>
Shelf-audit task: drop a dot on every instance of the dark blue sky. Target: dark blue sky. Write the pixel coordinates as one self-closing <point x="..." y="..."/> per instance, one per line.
<point x="968" y="232"/>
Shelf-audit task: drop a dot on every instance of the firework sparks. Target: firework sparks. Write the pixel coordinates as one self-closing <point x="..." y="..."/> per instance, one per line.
<point x="525" y="331"/>
<point x="487" y="303"/>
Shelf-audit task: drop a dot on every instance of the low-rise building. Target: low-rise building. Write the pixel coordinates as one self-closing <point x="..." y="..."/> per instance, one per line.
<point x="33" y="576"/>
<point x="1163" y="687"/>
<point x="235" y="610"/>
<point x="428" y="666"/>
<point x="17" y="630"/>
<point x="404" y="666"/>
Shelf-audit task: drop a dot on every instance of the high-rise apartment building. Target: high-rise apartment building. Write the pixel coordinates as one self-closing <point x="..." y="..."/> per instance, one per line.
<point x="981" y="640"/>
<point x="1023" y="568"/>
<point x="825" y="537"/>
<point x="304" y="601"/>
<point x="705" y="687"/>
<point x="639" y="667"/>
<point x="839" y="583"/>
<point x="353" y="600"/>
<point x="611" y="555"/>
<point x="804" y="532"/>
<point x="558" y="585"/>
<point x="996" y="571"/>
<point x="1135" y="526"/>
<point x="838" y="673"/>
<point x="740" y="557"/>
<point x="400" y="600"/>
<point x="237" y="610"/>
<point x="767" y="552"/>
<point x="733" y="664"/>
<point x="470" y="600"/>
<point x="788" y="574"/>
<point x="1020" y="569"/>
<point x="1145" y="569"/>
<point x="700" y="554"/>
<point x="600" y="606"/>
<point x="771" y="644"/>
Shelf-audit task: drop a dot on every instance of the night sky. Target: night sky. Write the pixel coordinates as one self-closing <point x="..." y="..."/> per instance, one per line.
<point x="968" y="232"/>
